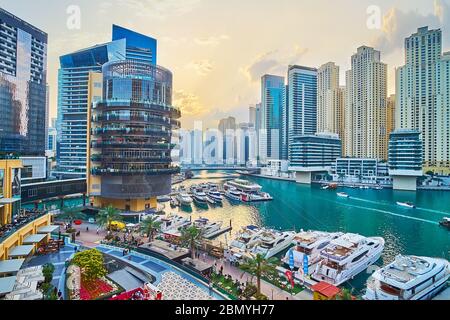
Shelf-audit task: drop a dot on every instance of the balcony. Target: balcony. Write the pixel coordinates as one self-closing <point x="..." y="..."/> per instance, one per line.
<point x="132" y="145"/>
<point x="131" y="172"/>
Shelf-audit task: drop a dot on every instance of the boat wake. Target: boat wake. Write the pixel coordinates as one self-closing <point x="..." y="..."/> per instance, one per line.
<point x="445" y="214"/>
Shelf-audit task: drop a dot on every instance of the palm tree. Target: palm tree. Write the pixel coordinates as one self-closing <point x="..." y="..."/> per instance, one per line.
<point x="71" y="214"/>
<point x="150" y="226"/>
<point x="107" y="216"/>
<point x="190" y="236"/>
<point x="258" y="266"/>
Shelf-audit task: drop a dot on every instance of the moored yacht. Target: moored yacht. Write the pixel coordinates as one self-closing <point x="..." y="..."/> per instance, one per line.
<point x="244" y="239"/>
<point x="271" y="242"/>
<point x="309" y="243"/>
<point x="233" y="194"/>
<point x="215" y="195"/>
<point x="184" y="199"/>
<point x="347" y="256"/>
<point x="256" y="197"/>
<point x="209" y="229"/>
<point x="243" y="186"/>
<point x="408" y="278"/>
<point x="174" y="222"/>
<point x="199" y="196"/>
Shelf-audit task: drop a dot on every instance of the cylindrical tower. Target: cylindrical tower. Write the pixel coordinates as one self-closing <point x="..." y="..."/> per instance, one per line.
<point x="131" y="131"/>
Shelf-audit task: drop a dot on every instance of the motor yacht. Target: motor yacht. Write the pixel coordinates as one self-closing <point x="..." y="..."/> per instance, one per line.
<point x="343" y="195"/>
<point x="346" y="257"/>
<point x="408" y="278"/>
<point x="215" y="195"/>
<point x="174" y="222"/>
<point x="271" y="242"/>
<point x="309" y="243"/>
<point x="209" y="229"/>
<point x="243" y="186"/>
<point x="408" y="205"/>
<point x="199" y="196"/>
<point x="233" y="194"/>
<point x="184" y="199"/>
<point x="256" y="197"/>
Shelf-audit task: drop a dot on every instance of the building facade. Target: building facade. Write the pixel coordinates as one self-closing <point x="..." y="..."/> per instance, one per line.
<point x="23" y="86"/>
<point x="73" y="93"/>
<point x="405" y="158"/>
<point x="365" y="107"/>
<point x="130" y="131"/>
<point x="443" y="115"/>
<point x="227" y="127"/>
<point x="416" y="92"/>
<point x="272" y="110"/>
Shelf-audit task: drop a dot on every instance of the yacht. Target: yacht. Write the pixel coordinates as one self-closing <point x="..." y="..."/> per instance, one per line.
<point x="200" y="196"/>
<point x="243" y="186"/>
<point x="209" y="229"/>
<point x="256" y="197"/>
<point x="347" y="256"/>
<point x="215" y="195"/>
<point x="406" y="205"/>
<point x="245" y="239"/>
<point x="184" y="199"/>
<point x="309" y="243"/>
<point x="165" y="198"/>
<point x="233" y="194"/>
<point x="271" y="242"/>
<point x="408" y="278"/>
<point x="173" y="223"/>
<point x="343" y="195"/>
<point x="445" y="223"/>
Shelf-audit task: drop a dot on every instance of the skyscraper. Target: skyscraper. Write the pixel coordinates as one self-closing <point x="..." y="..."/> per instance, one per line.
<point x="417" y="98"/>
<point x="365" y="112"/>
<point x="252" y="115"/>
<point x="301" y="102"/>
<point x="227" y="127"/>
<point x="272" y="105"/>
<point x="23" y="86"/>
<point x="329" y="107"/>
<point x="72" y="92"/>
<point x="443" y="113"/>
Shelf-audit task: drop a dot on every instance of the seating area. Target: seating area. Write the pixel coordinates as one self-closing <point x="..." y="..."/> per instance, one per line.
<point x="52" y="246"/>
<point x="25" y="217"/>
<point x="26" y="285"/>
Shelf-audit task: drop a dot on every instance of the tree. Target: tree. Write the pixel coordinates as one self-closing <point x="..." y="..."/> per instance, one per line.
<point x="91" y="264"/>
<point x="71" y="214"/>
<point x="190" y="236"/>
<point x="47" y="271"/>
<point x="258" y="266"/>
<point x="108" y="216"/>
<point x="150" y="226"/>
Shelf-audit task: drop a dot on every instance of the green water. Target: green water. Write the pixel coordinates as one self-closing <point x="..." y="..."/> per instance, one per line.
<point x="367" y="212"/>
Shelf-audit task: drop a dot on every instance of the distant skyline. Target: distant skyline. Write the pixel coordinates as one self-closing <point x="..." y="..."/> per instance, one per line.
<point x="219" y="50"/>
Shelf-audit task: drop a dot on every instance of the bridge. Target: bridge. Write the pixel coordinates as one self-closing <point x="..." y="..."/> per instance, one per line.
<point x="52" y="189"/>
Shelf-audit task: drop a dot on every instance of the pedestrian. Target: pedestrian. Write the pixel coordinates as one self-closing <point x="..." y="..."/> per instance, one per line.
<point x="221" y="270"/>
<point x="87" y="229"/>
<point x="97" y="231"/>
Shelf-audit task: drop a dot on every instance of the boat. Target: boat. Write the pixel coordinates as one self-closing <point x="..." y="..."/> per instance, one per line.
<point x="233" y="194"/>
<point x="346" y="257"/>
<point x="174" y="203"/>
<point x="378" y="188"/>
<point x="199" y="196"/>
<point x="406" y="205"/>
<point x="445" y="223"/>
<point x="210" y="201"/>
<point x="309" y="243"/>
<point x="209" y="229"/>
<point x="256" y="197"/>
<point x="184" y="199"/>
<point x="325" y="187"/>
<point x="174" y="222"/>
<point x="242" y="186"/>
<point x="269" y="243"/>
<point x="408" y="278"/>
<point x="343" y="195"/>
<point x="244" y="239"/>
<point x="215" y="195"/>
<point x="163" y="198"/>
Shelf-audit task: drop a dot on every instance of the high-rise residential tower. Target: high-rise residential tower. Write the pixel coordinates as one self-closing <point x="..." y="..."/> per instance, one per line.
<point x="443" y="114"/>
<point x="23" y="86"/>
<point x="365" y="111"/>
<point x="301" y="102"/>
<point x="416" y="91"/>
<point x="272" y="105"/>
<point x="73" y="92"/>
<point x="227" y="127"/>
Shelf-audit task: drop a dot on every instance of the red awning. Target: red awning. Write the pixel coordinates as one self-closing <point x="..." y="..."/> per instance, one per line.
<point x="326" y="289"/>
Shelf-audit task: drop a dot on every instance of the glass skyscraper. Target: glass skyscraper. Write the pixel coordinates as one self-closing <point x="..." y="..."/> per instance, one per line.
<point x="73" y="92"/>
<point x="23" y="86"/>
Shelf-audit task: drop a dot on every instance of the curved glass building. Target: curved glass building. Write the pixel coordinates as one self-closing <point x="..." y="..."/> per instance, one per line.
<point x="130" y="135"/>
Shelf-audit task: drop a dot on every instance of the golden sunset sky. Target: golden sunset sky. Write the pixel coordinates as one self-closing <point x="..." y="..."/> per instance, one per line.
<point x="218" y="50"/>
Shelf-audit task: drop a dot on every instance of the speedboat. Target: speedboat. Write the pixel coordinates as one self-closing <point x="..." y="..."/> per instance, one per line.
<point x="325" y="187"/>
<point x="174" y="222"/>
<point x="215" y="195"/>
<point x="408" y="278"/>
<point x="271" y="242"/>
<point x="256" y="197"/>
<point x="343" y="195"/>
<point x="346" y="257"/>
<point x="184" y="199"/>
<point x="406" y="205"/>
<point x="209" y="229"/>
<point x="233" y="194"/>
<point x="309" y="243"/>
<point x="445" y="223"/>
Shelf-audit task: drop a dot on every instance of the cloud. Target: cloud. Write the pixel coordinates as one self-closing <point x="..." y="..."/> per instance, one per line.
<point x="202" y="67"/>
<point x="212" y="40"/>
<point x="272" y="62"/>
<point x="160" y="9"/>
<point x="189" y="103"/>
<point x="397" y="25"/>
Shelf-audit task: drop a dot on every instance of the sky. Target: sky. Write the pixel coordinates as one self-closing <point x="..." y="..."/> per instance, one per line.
<point x="218" y="50"/>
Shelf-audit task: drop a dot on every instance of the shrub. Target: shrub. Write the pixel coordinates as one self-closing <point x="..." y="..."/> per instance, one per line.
<point x="48" y="271"/>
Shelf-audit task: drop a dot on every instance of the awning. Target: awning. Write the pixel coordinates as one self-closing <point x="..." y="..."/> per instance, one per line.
<point x="7" y="285"/>
<point x="47" y="229"/>
<point x="20" y="251"/>
<point x="9" y="200"/>
<point x="35" y="238"/>
<point x="10" y="266"/>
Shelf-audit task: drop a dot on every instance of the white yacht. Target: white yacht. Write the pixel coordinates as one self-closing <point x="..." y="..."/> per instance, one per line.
<point x="347" y="256"/>
<point x="243" y="186"/>
<point x="184" y="199"/>
<point x="215" y="195"/>
<point x="408" y="278"/>
<point x="406" y="205"/>
<point x="209" y="229"/>
<point x="174" y="222"/>
<point x="343" y="195"/>
<point x="233" y="194"/>
<point x="244" y="239"/>
<point x="271" y="242"/>
<point x="256" y="197"/>
<point x="309" y="243"/>
<point x="199" y="196"/>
